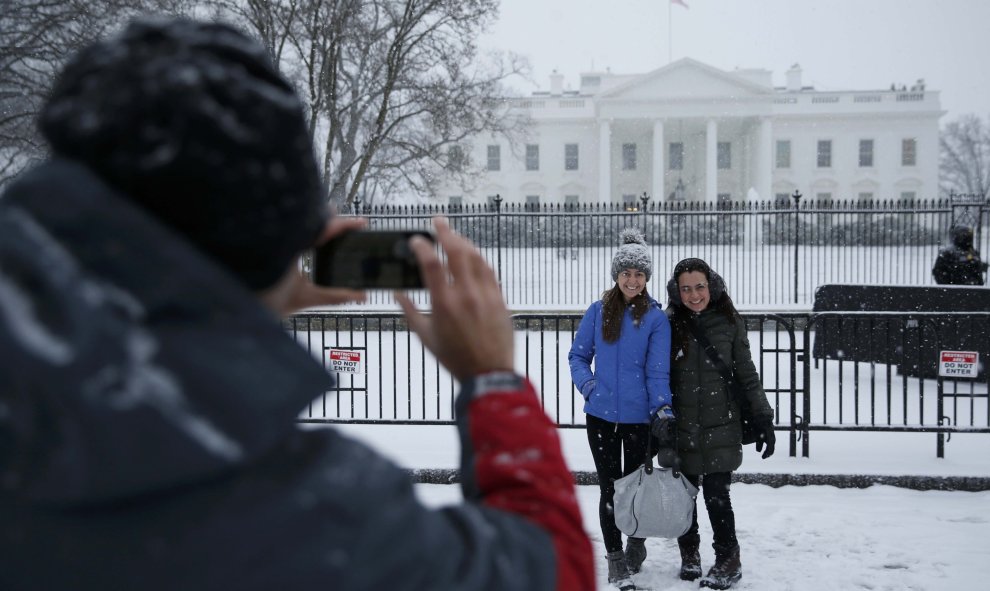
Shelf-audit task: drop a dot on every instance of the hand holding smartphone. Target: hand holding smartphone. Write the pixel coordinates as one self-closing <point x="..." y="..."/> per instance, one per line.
<point x="369" y="259"/>
<point x="469" y="329"/>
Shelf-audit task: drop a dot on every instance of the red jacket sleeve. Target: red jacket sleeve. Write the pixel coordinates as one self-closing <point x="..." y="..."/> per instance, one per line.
<point x="513" y="462"/>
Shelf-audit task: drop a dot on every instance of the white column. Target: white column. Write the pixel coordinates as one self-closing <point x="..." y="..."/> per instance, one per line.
<point x="711" y="161"/>
<point x="658" y="155"/>
<point x="604" y="162"/>
<point x="764" y="159"/>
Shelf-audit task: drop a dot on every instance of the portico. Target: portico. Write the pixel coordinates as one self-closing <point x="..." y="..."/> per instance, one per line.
<point x="702" y="130"/>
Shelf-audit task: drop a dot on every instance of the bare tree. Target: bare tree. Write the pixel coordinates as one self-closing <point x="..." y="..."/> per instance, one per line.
<point x="964" y="166"/>
<point x="394" y="88"/>
<point x="36" y="37"/>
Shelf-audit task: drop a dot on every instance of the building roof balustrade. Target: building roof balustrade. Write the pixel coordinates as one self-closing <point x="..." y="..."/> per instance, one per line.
<point x="852" y="101"/>
<point x="812" y="99"/>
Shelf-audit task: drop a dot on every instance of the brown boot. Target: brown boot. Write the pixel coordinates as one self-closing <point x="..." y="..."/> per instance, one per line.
<point x="690" y="561"/>
<point x="726" y="571"/>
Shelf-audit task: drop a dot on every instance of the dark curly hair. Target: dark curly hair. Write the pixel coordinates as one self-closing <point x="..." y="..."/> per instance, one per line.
<point x="680" y="315"/>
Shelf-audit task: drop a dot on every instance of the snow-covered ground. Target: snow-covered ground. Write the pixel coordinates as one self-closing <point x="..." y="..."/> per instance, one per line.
<point x="795" y="537"/>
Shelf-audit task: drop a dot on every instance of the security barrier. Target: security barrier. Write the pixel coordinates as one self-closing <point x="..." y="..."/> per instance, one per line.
<point x="385" y="375"/>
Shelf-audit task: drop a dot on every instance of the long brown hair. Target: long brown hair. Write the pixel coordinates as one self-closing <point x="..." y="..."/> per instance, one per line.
<point x="614" y="308"/>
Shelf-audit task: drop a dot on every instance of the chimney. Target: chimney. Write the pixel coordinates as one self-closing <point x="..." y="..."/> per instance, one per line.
<point x="556" y="83"/>
<point x="794" y="79"/>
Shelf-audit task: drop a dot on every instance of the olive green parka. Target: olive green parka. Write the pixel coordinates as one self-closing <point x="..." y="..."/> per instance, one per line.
<point x="709" y="427"/>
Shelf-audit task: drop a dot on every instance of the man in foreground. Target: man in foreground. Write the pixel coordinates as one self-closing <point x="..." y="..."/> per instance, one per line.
<point x="148" y="394"/>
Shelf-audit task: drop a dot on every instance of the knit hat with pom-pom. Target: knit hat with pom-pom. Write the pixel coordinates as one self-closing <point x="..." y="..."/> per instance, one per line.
<point x="194" y="123"/>
<point x="632" y="254"/>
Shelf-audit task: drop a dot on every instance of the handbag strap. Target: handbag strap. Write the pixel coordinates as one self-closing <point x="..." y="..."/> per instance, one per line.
<point x="702" y="338"/>
<point x="648" y="462"/>
<point x="727" y="375"/>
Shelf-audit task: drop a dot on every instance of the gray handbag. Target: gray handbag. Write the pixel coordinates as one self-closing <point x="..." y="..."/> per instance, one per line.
<point x="654" y="502"/>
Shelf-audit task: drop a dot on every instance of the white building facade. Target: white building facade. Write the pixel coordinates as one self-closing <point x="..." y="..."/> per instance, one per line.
<point x="691" y="132"/>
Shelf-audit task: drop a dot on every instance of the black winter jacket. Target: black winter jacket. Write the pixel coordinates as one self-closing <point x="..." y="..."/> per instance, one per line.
<point x="709" y="429"/>
<point x="959" y="263"/>
<point x="148" y="435"/>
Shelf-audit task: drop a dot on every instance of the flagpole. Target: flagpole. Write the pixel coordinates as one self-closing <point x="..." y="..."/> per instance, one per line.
<point x="670" y="41"/>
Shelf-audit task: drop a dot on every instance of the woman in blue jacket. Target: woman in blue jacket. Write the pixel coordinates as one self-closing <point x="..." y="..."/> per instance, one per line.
<point x="628" y="337"/>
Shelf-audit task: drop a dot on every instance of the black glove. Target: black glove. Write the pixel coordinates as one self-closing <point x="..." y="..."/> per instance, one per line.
<point x="765" y="436"/>
<point x="667" y="458"/>
<point x="662" y="427"/>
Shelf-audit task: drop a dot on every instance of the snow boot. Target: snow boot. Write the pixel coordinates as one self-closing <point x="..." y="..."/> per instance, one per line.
<point x="618" y="571"/>
<point x="635" y="553"/>
<point x="726" y="571"/>
<point x="690" y="561"/>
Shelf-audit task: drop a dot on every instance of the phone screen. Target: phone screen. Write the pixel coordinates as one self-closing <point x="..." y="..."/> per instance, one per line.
<point x="369" y="259"/>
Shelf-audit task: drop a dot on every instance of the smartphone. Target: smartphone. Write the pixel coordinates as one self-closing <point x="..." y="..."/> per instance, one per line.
<point x="369" y="259"/>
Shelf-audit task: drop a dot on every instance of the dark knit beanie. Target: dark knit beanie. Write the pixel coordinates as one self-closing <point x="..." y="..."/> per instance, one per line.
<point x="962" y="237"/>
<point x="632" y="254"/>
<point x="192" y="122"/>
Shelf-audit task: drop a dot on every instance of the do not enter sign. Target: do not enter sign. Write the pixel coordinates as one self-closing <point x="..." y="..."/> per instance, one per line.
<point x="958" y="364"/>
<point x="346" y="361"/>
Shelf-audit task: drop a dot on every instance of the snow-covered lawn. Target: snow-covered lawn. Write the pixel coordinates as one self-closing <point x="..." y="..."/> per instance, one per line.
<point x="823" y="538"/>
<point x="794" y="537"/>
<point x="759" y="277"/>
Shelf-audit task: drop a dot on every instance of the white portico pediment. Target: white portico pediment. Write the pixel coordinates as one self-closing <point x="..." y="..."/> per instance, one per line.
<point x="687" y="79"/>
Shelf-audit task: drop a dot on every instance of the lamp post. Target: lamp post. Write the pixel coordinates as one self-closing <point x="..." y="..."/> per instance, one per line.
<point x="645" y="199"/>
<point x="797" y="239"/>
<point x="498" y="235"/>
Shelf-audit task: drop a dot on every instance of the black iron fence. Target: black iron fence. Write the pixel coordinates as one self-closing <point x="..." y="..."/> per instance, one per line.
<point x="822" y="372"/>
<point x="772" y="254"/>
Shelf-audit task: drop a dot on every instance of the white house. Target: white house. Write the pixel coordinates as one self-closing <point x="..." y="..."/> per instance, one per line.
<point x="692" y="132"/>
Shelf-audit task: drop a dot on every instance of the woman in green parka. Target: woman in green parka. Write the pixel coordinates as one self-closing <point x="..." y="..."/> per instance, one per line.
<point x="709" y="426"/>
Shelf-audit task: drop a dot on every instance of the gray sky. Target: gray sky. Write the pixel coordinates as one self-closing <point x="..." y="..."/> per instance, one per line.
<point x="840" y="44"/>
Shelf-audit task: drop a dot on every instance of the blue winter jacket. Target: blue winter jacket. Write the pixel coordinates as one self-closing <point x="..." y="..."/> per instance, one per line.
<point x="632" y="375"/>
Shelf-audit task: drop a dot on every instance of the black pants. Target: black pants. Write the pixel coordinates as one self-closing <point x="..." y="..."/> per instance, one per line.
<point x="618" y="449"/>
<point x="715" y="490"/>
